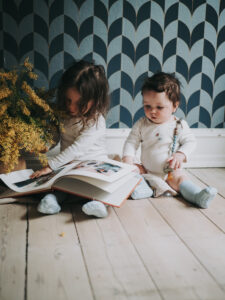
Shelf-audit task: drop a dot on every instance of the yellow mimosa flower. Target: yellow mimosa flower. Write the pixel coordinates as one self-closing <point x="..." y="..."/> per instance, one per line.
<point x="27" y="122"/>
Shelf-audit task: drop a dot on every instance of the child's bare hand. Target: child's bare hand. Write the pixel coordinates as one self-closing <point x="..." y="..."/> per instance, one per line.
<point x="41" y="172"/>
<point x="128" y="160"/>
<point x="176" y="160"/>
<point x="141" y="169"/>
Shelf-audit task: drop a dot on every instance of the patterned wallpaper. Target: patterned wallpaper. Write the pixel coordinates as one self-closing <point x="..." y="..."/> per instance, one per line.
<point x="131" y="39"/>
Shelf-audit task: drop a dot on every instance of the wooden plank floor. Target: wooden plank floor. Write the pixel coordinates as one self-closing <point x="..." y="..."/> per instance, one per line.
<point x="160" y="248"/>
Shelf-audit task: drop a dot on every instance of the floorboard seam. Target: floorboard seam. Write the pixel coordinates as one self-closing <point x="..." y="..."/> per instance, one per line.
<point x="202" y="211"/>
<point x="192" y="252"/>
<point x="82" y="252"/>
<point x="155" y="284"/>
<point x="26" y="254"/>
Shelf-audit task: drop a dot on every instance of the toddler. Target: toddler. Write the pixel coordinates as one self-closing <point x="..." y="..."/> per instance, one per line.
<point x="83" y="95"/>
<point x="166" y="142"/>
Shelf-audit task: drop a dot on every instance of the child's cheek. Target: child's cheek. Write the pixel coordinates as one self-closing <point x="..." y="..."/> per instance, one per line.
<point x="147" y="112"/>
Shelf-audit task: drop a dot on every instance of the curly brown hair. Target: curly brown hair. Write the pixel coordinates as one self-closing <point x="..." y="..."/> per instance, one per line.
<point x="91" y="83"/>
<point x="163" y="82"/>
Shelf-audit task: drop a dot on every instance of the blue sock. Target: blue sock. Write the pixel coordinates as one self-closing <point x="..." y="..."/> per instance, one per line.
<point x="143" y="190"/>
<point x="95" y="208"/>
<point x="194" y="194"/>
<point x="49" y="205"/>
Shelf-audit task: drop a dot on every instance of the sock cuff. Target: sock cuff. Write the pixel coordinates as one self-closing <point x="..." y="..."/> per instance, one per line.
<point x="186" y="184"/>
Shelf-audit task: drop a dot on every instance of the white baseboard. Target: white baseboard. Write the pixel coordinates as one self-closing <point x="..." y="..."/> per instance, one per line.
<point x="210" y="150"/>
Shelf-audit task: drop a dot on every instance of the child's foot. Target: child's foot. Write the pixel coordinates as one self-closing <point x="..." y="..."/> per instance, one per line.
<point x="142" y="191"/>
<point x="49" y="205"/>
<point x="95" y="208"/>
<point x="203" y="198"/>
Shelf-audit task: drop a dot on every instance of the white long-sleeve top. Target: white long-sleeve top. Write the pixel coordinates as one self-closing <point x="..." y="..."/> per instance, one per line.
<point x="89" y="144"/>
<point x="156" y="141"/>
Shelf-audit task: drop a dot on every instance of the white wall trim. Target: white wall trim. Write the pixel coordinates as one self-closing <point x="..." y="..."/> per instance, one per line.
<point x="210" y="150"/>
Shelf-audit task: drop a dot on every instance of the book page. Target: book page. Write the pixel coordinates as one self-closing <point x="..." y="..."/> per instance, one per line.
<point x="17" y="176"/>
<point x="106" y="186"/>
<point x="20" y="181"/>
<point x="108" y="170"/>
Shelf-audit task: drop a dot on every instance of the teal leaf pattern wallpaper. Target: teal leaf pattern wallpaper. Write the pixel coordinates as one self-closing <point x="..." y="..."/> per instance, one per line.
<point x="132" y="40"/>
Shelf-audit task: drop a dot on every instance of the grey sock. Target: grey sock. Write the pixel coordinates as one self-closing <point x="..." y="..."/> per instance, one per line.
<point x="95" y="208"/>
<point x="49" y="205"/>
<point x="143" y="190"/>
<point x="194" y="194"/>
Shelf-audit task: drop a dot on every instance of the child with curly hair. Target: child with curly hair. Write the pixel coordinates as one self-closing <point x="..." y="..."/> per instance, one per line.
<point x="83" y="95"/>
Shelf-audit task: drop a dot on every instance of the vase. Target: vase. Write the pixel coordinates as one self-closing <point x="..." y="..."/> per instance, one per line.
<point x="20" y="166"/>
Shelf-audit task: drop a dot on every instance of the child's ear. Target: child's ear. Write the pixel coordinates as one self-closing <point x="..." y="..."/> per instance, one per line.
<point x="89" y="105"/>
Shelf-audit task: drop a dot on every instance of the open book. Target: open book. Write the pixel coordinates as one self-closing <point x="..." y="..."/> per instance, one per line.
<point x="108" y="181"/>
